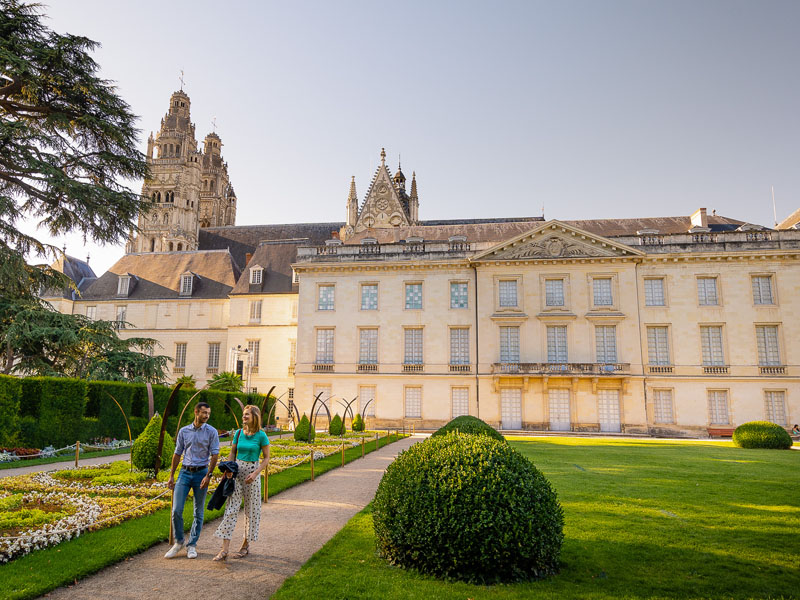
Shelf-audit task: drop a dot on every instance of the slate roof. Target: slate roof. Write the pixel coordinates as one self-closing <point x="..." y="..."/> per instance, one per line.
<point x="76" y="269"/>
<point x="664" y="225"/>
<point x="158" y="275"/>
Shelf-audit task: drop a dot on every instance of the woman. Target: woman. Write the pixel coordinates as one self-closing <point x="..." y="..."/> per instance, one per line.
<point x="248" y="443"/>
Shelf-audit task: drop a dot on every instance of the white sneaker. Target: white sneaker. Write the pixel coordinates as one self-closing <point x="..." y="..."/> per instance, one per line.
<point x="191" y="552"/>
<point x="173" y="552"/>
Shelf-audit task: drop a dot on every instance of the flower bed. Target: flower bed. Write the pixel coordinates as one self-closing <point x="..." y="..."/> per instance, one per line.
<point x="45" y="508"/>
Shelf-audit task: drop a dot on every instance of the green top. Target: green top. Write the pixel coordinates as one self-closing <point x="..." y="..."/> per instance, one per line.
<point x="248" y="447"/>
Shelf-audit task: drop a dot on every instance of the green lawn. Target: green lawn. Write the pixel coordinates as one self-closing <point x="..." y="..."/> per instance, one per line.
<point x="643" y="519"/>
<point x="32" y="575"/>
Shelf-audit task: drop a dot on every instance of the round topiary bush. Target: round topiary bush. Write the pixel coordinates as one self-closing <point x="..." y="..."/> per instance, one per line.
<point x="468" y="507"/>
<point x="469" y="424"/>
<point x="761" y="434"/>
<point x="304" y="432"/>
<point x="145" y="447"/>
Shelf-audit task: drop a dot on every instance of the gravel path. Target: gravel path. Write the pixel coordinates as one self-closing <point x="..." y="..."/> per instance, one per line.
<point x="294" y="525"/>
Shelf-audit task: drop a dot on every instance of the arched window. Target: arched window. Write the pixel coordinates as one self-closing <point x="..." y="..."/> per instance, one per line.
<point x="152" y="244"/>
<point x="154" y="197"/>
<point x="170" y="246"/>
<point x="180" y="247"/>
<point x="177" y="150"/>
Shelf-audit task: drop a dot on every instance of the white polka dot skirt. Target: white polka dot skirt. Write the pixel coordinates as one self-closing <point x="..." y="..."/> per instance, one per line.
<point x="251" y="493"/>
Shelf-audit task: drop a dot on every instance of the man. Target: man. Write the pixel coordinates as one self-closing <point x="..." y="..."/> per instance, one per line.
<point x="198" y="443"/>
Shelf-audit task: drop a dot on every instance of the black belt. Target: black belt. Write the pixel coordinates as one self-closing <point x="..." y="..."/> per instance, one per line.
<point x="193" y="469"/>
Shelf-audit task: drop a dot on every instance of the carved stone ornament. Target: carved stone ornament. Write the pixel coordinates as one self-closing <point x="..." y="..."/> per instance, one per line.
<point x="554" y="247"/>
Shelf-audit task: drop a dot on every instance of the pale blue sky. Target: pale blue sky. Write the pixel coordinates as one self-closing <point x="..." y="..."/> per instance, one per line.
<point x="591" y="109"/>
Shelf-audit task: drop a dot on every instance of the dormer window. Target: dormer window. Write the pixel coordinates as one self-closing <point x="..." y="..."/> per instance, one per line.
<point x="124" y="285"/>
<point x="187" y="283"/>
<point x="256" y="275"/>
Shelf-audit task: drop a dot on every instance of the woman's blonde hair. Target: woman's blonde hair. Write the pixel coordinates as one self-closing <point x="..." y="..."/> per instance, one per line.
<point x="255" y="423"/>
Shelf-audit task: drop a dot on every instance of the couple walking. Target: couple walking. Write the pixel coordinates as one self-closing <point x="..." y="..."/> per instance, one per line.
<point x="198" y="443"/>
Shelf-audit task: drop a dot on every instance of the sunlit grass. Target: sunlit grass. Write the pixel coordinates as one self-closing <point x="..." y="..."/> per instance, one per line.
<point x="643" y="519"/>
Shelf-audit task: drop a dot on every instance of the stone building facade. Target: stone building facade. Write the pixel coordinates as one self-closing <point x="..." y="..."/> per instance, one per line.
<point x="677" y="325"/>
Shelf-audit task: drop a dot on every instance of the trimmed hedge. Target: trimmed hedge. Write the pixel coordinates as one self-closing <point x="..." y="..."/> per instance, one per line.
<point x="468" y="507"/>
<point x="336" y="426"/>
<point x="10" y="392"/>
<point x="61" y="410"/>
<point x="358" y="423"/>
<point x="761" y="434"/>
<point x="469" y="424"/>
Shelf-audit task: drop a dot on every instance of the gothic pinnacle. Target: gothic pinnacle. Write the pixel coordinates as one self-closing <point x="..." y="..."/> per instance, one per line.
<point x="352" y="195"/>
<point x="383" y="157"/>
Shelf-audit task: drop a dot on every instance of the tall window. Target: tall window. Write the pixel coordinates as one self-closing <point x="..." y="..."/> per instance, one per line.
<point x="662" y="406"/>
<point x="657" y="346"/>
<point x="458" y="295"/>
<point x="762" y="290"/>
<point x="767" y="341"/>
<point x="255" y="311"/>
<point x="213" y="355"/>
<point x="606" y="343"/>
<point x="324" y="346"/>
<point x="554" y="292"/>
<point x="326" y="293"/>
<point x="711" y="342"/>
<point x="413" y="347"/>
<point x="460" y="401"/>
<point x="292" y="353"/>
<point x="180" y="355"/>
<point x="459" y="346"/>
<point x="254" y="348"/>
<point x="413" y="295"/>
<point x="775" y="402"/>
<point x="186" y="285"/>
<point x="91" y="312"/>
<point x="509" y="344"/>
<point x="718" y="407"/>
<point x="707" y="294"/>
<point x="256" y="275"/>
<point x="122" y="316"/>
<point x="508" y="293"/>
<point x="369" y="296"/>
<point x="557" y="343"/>
<point x="413" y="397"/>
<point x="601" y="288"/>
<point x="366" y="400"/>
<point x="368" y="347"/>
<point x="654" y="292"/>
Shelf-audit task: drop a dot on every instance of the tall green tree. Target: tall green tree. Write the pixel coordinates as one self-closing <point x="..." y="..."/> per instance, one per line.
<point x="67" y="141"/>
<point x="49" y="343"/>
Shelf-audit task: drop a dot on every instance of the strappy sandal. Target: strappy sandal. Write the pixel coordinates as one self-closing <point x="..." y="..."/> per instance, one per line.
<point x="223" y="554"/>
<point x="242" y="553"/>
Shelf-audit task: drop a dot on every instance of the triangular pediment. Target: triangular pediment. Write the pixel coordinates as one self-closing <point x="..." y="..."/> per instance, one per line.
<point x="556" y="240"/>
<point x="383" y="207"/>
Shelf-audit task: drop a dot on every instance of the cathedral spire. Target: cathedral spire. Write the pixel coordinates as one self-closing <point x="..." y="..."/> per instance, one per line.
<point x="383" y="157"/>
<point x="413" y="200"/>
<point x="352" y="204"/>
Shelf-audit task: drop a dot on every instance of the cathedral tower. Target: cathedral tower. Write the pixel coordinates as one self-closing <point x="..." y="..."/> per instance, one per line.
<point x="217" y="198"/>
<point x="174" y="184"/>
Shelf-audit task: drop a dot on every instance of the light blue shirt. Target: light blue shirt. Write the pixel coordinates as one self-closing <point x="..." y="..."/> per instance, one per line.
<point x="197" y="444"/>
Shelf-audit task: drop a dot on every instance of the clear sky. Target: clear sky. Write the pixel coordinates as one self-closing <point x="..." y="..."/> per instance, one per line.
<point x="590" y="109"/>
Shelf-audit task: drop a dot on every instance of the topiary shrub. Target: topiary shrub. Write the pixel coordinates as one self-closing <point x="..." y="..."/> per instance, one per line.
<point x="304" y="432"/>
<point x="358" y="423"/>
<point x="336" y="426"/>
<point x="145" y="447"/>
<point x="468" y="424"/>
<point x="468" y="507"/>
<point x="761" y="434"/>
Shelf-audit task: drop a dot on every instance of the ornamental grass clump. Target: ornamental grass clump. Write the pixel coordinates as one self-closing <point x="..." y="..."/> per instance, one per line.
<point x="304" y="432"/>
<point x="471" y="508"/>
<point x="761" y="434"/>
<point x="469" y="424"/>
<point x="145" y="447"/>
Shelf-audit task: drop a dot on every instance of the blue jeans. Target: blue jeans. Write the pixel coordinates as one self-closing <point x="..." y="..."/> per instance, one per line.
<point x="189" y="481"/>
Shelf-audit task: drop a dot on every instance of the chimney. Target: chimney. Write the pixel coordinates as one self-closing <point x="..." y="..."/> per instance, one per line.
<point x="249" y="255"/>
<point x="334" y="235"/>
<point x="699" y="218"/>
